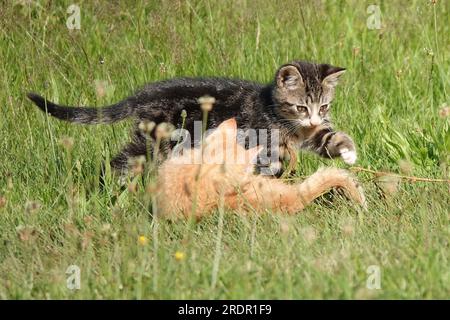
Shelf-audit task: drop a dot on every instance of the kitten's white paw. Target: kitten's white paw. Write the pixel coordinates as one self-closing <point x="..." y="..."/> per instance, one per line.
<point x="349" y="156"/>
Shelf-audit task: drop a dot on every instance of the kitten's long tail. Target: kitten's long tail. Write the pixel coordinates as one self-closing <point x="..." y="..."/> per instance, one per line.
<point x="109" y="114"/>
<point x="326" y="178"/>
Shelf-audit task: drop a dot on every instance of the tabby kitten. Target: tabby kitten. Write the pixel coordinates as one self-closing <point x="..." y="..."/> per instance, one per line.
<point x="297" y="103"/>
<point x="225" y="178"/>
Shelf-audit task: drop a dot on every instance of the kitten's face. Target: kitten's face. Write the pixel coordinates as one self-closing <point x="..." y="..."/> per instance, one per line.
<point x="304" y="92"/>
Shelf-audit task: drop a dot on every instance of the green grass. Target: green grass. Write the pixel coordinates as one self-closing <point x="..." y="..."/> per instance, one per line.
<point x="389" y="102"/>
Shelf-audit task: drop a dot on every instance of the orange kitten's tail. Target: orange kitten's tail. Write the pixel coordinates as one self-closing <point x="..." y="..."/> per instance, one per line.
<point x="326" y="178"/>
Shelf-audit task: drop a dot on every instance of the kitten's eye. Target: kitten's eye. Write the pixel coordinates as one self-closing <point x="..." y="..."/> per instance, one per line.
<point x="324" y="108"/>
<point x="302" y="109"/>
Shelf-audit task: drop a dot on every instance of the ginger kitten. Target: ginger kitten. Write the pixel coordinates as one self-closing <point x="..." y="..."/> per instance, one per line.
<point x="199" y="181"/>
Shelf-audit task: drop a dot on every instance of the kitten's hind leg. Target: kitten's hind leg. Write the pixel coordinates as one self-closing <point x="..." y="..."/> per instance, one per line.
<point x="122" y="161"/>
<point x="133" y="159"/>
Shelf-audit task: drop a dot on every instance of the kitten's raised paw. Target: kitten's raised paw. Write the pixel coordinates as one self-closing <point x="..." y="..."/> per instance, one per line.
<point x="349" y="156"/>
<point x="342" y="145"/>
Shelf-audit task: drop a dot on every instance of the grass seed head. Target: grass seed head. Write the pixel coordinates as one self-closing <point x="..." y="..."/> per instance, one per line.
<point x="388" y="185"/>
<point x="309" y="234"/>
<point x="146" y="127"/>
<point x="356" y="51"/>
<point x="100" y="88"/>
<point x="137" y="165"/>
<point x="348" y="226"/>
<point x="86" y="239"/>
<point x="26" y="233"/>
<point x="444" y="112"/>
<point x="428" y="52"/>
<point x="284" y="226"/>
<point x="88" y="220"/>
<point x="106" y="227"/>
<point x="164" y="130"/>
<point x="206" y="103"/>
<point x="406" y="167"/>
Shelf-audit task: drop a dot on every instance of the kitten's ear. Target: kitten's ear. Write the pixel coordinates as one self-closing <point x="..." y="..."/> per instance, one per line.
<point x="229" y="124"/>
<point x="229" y="129"/>
<point x="331" y="75"/>
<point x="226" y="130"/>
<point x="289" y="77"/>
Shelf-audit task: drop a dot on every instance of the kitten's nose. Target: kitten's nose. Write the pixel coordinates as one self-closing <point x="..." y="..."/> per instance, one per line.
<point x="314" y="121"/>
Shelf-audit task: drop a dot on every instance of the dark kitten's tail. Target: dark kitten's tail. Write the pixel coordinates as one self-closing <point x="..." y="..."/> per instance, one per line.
<point x="107" y="114"/>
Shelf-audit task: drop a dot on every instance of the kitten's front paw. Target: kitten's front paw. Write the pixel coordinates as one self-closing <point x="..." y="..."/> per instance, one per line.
<point x="342" y="145"/>
<point x="349" y="156"/>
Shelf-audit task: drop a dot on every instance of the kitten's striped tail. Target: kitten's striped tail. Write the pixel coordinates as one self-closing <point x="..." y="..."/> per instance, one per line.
<point x="85" y="115"/>
<point x="326" y="178"/>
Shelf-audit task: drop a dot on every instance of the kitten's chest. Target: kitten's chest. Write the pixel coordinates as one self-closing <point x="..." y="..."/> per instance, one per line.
<point x="297" y="139"/>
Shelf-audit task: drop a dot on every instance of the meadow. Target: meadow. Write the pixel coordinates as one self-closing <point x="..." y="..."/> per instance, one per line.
<point x="393" y="100"/>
